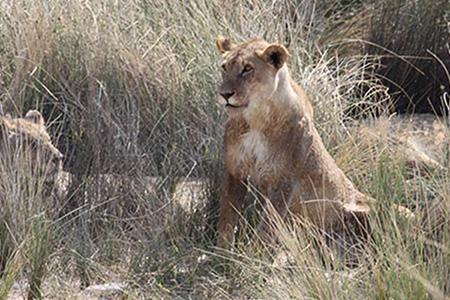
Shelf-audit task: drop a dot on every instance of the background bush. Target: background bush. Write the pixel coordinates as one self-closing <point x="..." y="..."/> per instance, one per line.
<point x="412" y="38"/>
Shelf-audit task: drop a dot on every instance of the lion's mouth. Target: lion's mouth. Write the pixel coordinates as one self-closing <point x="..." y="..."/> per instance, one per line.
<point x="229" y="105"/>
<point x="232" y="106"/>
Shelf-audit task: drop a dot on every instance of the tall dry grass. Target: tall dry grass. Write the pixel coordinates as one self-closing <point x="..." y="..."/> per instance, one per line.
<point x="411" y="39"/>
<point x="129" y="90"/>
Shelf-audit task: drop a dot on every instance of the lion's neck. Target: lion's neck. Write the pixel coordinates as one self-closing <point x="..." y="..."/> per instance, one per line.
<point x="277" y="110"/>
<point x="285" y="96"/>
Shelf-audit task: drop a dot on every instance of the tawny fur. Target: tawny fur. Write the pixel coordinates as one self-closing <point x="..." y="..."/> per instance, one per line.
<point x="28" y="138"/>
<point x="270" y="140"/>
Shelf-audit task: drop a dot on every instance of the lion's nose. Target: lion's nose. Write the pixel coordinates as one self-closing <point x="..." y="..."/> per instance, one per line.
<point x="226" y="95"/>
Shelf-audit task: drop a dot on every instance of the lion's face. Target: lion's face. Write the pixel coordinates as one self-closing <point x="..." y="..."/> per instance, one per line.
<point x="26" y="145"/>
<point x="249" y="72"/>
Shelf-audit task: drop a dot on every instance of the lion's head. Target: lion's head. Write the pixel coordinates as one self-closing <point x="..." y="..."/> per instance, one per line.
<point x="26" y="145"/>
<point x="250" y="72"/>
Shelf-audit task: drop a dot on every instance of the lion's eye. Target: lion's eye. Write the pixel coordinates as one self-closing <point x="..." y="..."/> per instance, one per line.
<point x="224" y="67"/>
<point x="247" y="69"/>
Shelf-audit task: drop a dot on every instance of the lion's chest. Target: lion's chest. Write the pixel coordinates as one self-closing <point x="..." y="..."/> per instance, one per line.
<point x="254" y="158"/>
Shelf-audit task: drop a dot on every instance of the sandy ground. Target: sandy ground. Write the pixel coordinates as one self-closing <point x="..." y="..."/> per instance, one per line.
<point x="63" y="290"/>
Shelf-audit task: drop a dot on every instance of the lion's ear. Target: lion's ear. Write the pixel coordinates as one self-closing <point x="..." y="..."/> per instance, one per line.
<point x="275" y="55"/>
<point x="35" y="117"/>
<point x="224" y="44"/>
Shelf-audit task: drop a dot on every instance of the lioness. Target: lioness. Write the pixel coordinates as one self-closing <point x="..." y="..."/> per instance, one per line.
<point x="25" y="143"/>
<point x="29" y="167"/>
<point x="270" y="139"/>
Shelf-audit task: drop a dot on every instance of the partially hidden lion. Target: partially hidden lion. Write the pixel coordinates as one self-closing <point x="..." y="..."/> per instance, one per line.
<point x="30" y="166"/>
<point x="270" y="141"/>
<point x="25" y="144"/>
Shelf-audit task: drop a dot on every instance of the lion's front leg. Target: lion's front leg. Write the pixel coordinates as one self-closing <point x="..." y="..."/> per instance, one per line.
<point x="231" y="203"/>
<point x="277" y="206"/>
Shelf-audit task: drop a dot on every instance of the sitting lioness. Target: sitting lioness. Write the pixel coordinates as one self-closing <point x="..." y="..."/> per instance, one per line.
<point x="271" y="141"/>
<point x="26" y="145"/>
